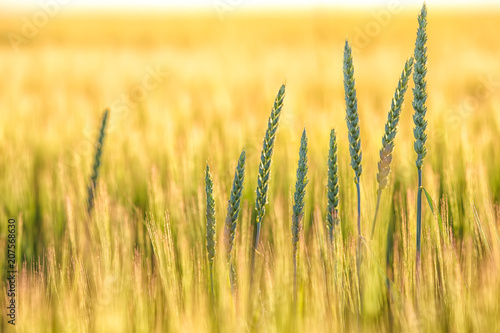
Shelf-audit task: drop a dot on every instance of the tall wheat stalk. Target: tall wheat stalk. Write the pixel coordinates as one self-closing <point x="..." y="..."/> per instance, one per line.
<point x="298" y="207"/>
<point x="233" y="209"/>
<point x="391" y="129"/>
<point x="210" y="225"/>
<point x="352" y="120"/>
<point x="97" y="163"/>
<point x="265" y="167"/>
<point x="419" y="99"/>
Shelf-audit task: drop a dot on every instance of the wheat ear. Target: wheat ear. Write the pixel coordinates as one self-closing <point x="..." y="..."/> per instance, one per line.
<point x="352" y="120"/>
<point x="233" y="209"/>
<point x="391" y="129"/>
<point x="298" y="207"/>
<point x="97" y="163"/>
<point x="332" y="215"/>
<point x="210" y="225"/>
<point x="265" y="166"/>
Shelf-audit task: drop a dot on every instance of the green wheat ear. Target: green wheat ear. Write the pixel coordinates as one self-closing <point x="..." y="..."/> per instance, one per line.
<point x="210" y="224"/>
<point x="233" y="209"/>
<point x="391" y="129"/>
<point x="97" y="162"/>
<point x="352" y="117"/>
<point x="419" y="99"/>
<point x="332" y="215"/>
<point x="265" y="161"/>
<point x="298" y="207"/>
<point x="420" y="89"/>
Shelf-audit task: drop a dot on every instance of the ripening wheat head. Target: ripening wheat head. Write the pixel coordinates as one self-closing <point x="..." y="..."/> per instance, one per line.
<point x="332" y="214"/>
<point x="352" y="117"/>
<point x="300" y="191"/>
<point x="391" y="127"/>
<point x="266" y="159"/>
<point x="233" y="207"/>
<point x="210" y="217"/>
<point x="420" y="89"/>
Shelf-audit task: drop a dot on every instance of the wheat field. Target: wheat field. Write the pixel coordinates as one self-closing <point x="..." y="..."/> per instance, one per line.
<point x="184" y="90"/>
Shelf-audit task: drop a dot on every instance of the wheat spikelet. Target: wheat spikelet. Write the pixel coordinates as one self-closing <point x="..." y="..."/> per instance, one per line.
<point x="97" y="162"/>
<point x="332" y="215"/>
<point x="233" y="209"/>
<point x="265" y="161"/>
<point x="391" y="128"/>
<point x="210" y="223"/>
<point x="420" y="89"/>
<point x="298" y="207"/>
<point x="352" y="117"/>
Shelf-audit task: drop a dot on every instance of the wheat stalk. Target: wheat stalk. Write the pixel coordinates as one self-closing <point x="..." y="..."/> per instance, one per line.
<point x="419" y="99"/>
<point x="391" y="129"/>
<point x="332" y="215"/>
<point x="352" y="120"/>
<point x="210" y="224"/>
<point x="233" y="209"/>
<point x="265" y="166"/>
<point x="97" y="162"/>
<point x="298" y="207"/>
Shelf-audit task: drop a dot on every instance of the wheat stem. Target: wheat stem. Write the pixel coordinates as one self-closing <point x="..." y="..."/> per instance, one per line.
<point x="352" y="120"/>
<point x="419" y="99"/>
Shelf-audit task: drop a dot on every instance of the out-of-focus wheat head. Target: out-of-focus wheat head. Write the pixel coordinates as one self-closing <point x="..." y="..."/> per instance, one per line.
<point x="233" y="209"/>
<point x="332" y="214"/>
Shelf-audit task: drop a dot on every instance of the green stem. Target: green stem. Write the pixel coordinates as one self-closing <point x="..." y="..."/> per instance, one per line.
<point x="359" y="208"/>
<point x="358" y="252"/>
<point x="379" y="194"/>
<point x="255" y="245"/>
<point x="295" y="277"/>
<point x="419" y="218"/>
<point x="232" y="277"/>
<point x="212" y="281"/>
